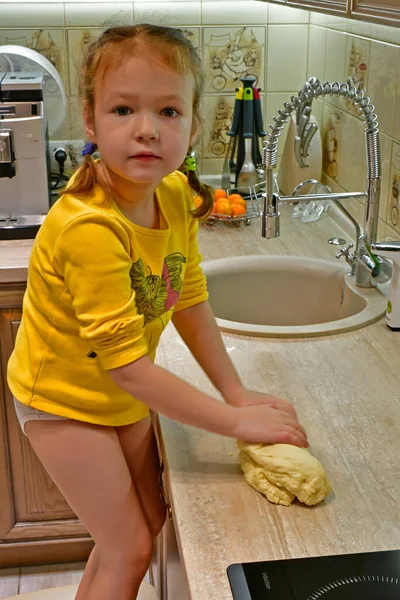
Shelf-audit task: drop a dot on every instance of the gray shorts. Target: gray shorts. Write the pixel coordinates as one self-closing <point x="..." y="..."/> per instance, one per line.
<point x="27" y="413"/>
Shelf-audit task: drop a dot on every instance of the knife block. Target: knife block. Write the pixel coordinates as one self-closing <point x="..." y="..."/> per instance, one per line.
<point x="290" y="173"/>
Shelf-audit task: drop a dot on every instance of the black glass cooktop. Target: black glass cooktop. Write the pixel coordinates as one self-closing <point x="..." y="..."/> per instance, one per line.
<point x="367" y="576"/>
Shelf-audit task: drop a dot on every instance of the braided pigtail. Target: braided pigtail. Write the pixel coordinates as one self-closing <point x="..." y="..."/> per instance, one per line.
<point x="202" y="190"/>
<point x="86" y="176"/>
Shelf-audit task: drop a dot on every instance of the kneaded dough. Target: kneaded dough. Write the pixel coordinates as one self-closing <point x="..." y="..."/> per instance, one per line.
<point x="282" y="472"/>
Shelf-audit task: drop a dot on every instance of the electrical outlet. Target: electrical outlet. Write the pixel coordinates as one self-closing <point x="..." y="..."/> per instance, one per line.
<point x="73" y="150"/>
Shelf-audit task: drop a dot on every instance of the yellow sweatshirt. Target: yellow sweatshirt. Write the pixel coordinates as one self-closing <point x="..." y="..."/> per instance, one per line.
<point x="100" y="292"/>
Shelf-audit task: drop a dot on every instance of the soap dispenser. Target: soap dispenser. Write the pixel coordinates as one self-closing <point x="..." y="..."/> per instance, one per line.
<point x="391" y="250"/>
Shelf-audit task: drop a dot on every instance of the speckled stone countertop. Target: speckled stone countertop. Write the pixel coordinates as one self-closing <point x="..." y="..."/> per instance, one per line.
<point x="346" y="390"/>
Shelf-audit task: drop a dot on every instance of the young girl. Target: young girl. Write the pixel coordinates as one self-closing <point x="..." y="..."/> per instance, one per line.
<point x="115" y="260"/>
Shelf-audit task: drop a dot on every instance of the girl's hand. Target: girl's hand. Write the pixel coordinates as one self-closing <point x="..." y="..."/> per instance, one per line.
<point x="244" y="397"/>
<point x="265" y="424"/>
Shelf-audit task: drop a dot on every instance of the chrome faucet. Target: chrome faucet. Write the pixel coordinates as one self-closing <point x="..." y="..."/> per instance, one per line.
<point x="368" y="267"/>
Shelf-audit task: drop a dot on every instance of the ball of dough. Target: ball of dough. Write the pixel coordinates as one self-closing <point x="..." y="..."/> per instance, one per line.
<point x="282" y="472"/>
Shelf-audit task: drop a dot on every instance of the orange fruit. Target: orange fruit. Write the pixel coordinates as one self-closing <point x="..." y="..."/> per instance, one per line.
<point x="219" y="193"/>
<point x="233" y="197"/>
<point x="223" y="207"/>
<point x="240" y="202"/>
<point x="238" y="210"/>
<point x="215" y="208"/>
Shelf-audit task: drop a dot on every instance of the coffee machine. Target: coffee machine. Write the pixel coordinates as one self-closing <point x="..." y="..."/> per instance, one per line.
<point x="24" y="155"/>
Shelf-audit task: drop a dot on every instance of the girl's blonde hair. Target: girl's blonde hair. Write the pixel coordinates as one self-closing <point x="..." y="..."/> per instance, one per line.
<point x="165" y="44"/>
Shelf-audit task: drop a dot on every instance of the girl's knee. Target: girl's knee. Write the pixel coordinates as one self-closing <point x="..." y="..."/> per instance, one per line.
<point x="132" y="553"/>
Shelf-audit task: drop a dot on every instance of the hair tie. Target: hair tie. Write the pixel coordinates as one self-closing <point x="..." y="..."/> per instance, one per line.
<point x="89" y="148"/>
<point x="190" y="163"/>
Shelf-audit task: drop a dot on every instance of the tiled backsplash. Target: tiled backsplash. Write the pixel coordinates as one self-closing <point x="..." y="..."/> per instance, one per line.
<point x="370" y="55"/>
<point x="281" y="46"/>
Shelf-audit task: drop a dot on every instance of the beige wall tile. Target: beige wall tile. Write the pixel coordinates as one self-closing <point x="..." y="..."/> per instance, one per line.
<point x="279" y="14"/>
<point x="382" y="82"/>
<point x="28" y="14"/>
<point x="101" y="14"/>
<point x="317" y="111"/>
<point x="221" y="13"/>
<point x="273" y="103"/>
<point x="316" y="53"/>
<point x="358" y="27"/>
<point x="391" y="235"/>
<point x="212" y="166"/>
<point x="330" y="21"/>
<point x="167" y="13"/>
<point x="352" y="167"/>
<point x="77" y="131"/>
<point x="386" y="33"/>
<point x="52" y="105"/>
<point x="335" y="62"/>
<point x="335" y="57"/>
<point x="287" y="57"/>
<point x="230" y="53"/>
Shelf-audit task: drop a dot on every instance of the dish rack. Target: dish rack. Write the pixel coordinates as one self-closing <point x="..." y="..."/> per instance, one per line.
<point x="254" y="206"/>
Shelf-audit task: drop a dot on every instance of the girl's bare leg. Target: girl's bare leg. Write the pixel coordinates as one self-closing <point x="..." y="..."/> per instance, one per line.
<point x="138" y="443"/>
<point x="87" y="464"/>
<point x="139" y="446"/>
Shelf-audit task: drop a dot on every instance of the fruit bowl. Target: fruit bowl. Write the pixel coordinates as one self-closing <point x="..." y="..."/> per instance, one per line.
<point x="231" y="207"/>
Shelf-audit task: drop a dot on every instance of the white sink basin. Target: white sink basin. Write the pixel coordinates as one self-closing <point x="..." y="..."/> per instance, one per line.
<point x="288" y="296"/>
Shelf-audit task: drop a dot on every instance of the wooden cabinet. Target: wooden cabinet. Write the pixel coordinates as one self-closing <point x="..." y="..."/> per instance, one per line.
<point x="331" y="6"/>
<point x="384" y="11"/>
<point x="377" y="11"/>
<point x="36" y="524"/>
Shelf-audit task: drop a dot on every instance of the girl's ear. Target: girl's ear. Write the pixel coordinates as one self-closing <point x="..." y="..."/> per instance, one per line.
<point x="195" y="132"/>
<point x="88" y="123"/>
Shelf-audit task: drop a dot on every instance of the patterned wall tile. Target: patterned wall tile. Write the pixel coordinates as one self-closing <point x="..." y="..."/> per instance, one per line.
<point x="394" y="199"/>
<point x="396" y="129"/>
<point x="48" y="42"/>
<point x="219" y="111"/>
<point x="231" y="53"/>
<point x="357" y="65"/>
<point x="78" y="42"/>
<point x="331" y="140"/>
<point x="386" y="144"/>
<point x="194" y="35"/>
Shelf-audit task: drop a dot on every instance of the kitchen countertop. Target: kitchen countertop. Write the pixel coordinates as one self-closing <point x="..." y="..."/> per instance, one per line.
<point x="346" y="390"/>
